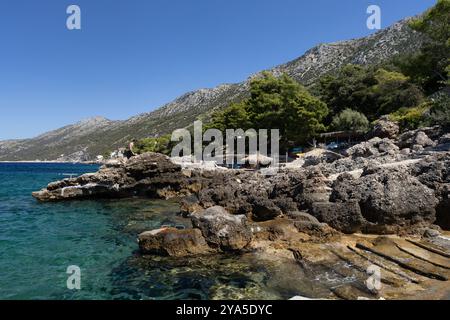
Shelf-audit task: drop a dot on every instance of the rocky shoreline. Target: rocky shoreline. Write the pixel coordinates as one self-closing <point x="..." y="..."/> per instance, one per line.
<point x="384" y="201"/>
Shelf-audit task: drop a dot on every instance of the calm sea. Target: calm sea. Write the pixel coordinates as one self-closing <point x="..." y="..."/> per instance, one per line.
<point x="38" y="241"/>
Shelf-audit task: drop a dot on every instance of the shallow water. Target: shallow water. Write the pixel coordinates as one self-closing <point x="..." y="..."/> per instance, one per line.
<point x="38" y="241"/>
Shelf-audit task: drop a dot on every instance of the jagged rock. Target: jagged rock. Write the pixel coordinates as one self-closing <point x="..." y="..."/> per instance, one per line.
<point x="388" y="196"/>
<point x="417" y="148"/>
<point x="190" y="204"/>
<point x="364" y="150"/>
<point x="223" y="230"/>
<point x="372" y="148"/>
<point x="264" y="209"/>
<point x="149" y="165"/>
<point x="443" y="208"/>
<point x="344" y="165"/>
<point x="313" y="188"/>
<point x="419" y="138"/>
<point x="173" y="242"/>
<point x="308" y="224"/>
<point x="434" y="133"/>
<point x="387" y="146"/>
<point x="379" y="183"/>
<point x="422" y="139"/>
<point x="345" y="217"/>
<point x="434" y="172"/>
<point x="286" y="204"/>
<point x="405" y="139"/>
<point x="405" y="151"/>
<point x="431" y="233"/>
<point x="226" y="195"/>
<point x="148" y="174"/>
<point x="286" y="184"/>
<point x="385" y="128"/>
<point x="317" y="156"/>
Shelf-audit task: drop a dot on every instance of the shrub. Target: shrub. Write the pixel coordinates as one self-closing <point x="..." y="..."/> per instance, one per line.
<point x="350" y="120"/>
<point x="412" y="118"/>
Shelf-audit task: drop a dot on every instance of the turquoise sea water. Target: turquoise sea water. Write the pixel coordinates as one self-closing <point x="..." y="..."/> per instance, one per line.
<point x="38" y="241"/>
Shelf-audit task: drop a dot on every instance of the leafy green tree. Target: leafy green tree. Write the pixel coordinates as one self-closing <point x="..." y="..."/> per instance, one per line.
<point x="350" y="120"/>
<point x="276" y="103"/>
<point x="282" y="103"/>
<point x="160" y="145"/>
<point x="349" y="87"/>
<point x="233" y="117"/>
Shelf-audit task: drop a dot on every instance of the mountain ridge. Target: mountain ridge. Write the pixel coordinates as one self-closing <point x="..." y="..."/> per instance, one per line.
<point x="83" y="141"/>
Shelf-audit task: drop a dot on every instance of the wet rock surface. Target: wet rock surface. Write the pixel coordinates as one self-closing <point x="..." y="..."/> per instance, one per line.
<point x="173" y="242"/>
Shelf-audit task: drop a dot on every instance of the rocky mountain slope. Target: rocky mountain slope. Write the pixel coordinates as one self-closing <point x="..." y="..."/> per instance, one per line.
<point x="86" y="139"/>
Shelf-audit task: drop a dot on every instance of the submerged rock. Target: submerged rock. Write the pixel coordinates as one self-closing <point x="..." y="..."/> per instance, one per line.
<point x="173" y="242"/>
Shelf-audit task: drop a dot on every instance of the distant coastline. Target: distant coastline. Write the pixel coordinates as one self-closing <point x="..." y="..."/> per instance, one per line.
<point x="52" y="161"/>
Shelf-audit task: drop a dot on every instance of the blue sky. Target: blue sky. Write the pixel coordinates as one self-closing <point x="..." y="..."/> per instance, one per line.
<point x="133" y="56"/>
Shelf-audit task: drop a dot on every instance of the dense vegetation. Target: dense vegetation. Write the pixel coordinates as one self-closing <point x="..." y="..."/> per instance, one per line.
<point x="430" y="67"/>
<point x="371" y="91"/>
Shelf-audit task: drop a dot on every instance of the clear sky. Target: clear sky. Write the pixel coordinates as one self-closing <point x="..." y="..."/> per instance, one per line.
<point x="133" y="56"/>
